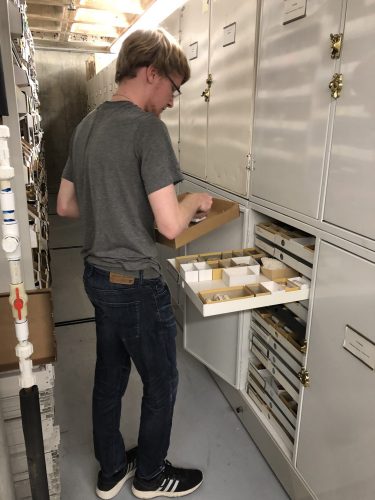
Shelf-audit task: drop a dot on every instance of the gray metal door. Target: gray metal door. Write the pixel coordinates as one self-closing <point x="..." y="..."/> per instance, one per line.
<point x="350" y="198"/>
<point x="232" y="45"/>
<point x="216" y="341"/>
<point x="292" y="104"/>
<point x="336" y="445"/>
<point x="193" y="108"/>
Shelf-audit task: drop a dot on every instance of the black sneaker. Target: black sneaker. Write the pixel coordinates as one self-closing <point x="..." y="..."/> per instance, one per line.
<point x="171" y="482"/>
<point x="109" y="487"/>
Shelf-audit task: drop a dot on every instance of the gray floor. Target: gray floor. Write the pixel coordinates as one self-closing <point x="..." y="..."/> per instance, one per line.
<point x="206" y="432"/>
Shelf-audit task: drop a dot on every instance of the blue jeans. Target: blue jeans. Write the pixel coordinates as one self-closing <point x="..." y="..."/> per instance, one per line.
<point x="133" y="322"/>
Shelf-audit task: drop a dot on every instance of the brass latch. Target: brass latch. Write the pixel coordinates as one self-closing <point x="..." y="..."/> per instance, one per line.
<point x="304" y="377"/>
<point x="304" y="347"/>
<point x="206" y="92"/>
<point x="336" y="45"/>
<point x="336" y="85"/>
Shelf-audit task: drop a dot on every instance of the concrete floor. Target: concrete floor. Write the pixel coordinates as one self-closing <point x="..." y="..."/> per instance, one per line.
<point x="206" y="432"/>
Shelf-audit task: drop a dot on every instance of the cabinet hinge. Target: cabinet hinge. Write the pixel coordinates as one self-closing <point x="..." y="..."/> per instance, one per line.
<point x="304" y="377"/>
<point x="250" y="164"/>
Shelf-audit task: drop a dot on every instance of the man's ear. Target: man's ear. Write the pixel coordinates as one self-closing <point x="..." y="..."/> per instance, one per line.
<point x="151" y="73"/>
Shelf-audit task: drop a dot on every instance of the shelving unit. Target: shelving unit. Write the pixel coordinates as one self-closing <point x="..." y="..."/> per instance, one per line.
<point x="26" y="147"/>
<point x="30" y="189"/>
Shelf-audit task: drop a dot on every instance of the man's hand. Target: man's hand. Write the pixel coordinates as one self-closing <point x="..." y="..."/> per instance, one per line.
<point x="173" y="217"/>
<point x="205" y="203"/>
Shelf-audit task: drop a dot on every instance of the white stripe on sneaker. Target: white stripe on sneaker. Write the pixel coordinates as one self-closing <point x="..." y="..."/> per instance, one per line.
<point x="169" y="485"/>
<point x="175" y="486"/>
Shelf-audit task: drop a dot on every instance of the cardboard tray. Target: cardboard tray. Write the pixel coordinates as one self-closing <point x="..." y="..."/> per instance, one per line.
<point x="41" y="335"/>
<point x="222" y="211"/>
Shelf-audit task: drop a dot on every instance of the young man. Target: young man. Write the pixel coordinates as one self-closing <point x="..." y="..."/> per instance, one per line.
<point x="119" y="178"/>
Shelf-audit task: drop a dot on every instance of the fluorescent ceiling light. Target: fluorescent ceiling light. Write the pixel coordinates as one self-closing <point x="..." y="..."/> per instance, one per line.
<point x="126" y="6"/>
<point x="151" y="19"/>
<point x="100" y="17"/>
<point x="94" y="29"/>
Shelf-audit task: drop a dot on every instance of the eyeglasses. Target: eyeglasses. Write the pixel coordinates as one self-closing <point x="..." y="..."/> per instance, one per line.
<point x="176" y="91"/>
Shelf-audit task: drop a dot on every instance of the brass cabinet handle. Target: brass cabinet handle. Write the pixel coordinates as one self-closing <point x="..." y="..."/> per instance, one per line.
<point x="206" y="92"/>
<point x="304" y="377"/>
<point x="336" y="45"/>
<point x="336" y="85"/>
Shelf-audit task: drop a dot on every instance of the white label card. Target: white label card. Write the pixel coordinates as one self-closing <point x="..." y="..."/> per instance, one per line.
<point x="293" y="10"/>
<point x="193" y="51"/>
<point x="229" y="35"/>
<point x="361" y="347"/>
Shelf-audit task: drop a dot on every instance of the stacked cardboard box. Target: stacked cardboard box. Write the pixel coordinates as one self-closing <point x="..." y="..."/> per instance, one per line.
<point x="9" y="401"/>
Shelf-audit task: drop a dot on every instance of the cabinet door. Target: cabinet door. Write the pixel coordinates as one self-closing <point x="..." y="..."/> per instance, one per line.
<point x="350" y="199"/>
<point x="292" y="104"/>
<point x="336" y="452"/>
<point x="193" y="108"/>
<point x="232" y="41"/>
<point x="215" y="341"/>
<point x="171" y="116"/>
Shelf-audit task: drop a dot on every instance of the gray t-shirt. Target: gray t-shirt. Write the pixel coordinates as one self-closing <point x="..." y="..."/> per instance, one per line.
<point x="118" y="155"/>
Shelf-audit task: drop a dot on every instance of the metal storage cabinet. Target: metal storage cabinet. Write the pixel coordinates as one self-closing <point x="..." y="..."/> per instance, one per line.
<point x="336" y="440"/>
<point x="193" y="109"/>
<point x="292" y="104"/>
<point x="350" y="197"/>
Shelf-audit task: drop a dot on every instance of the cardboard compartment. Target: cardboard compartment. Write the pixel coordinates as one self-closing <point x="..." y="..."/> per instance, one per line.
<point x="197" y="271"/>
<point x="217" y="270"/>
<point x="234" y="276"/>
<point x="188" y="259"/>
<point x="280" y="285"/>
<point x="40" y="319"/>
<point x="204" y="257"/>
<point x="258" y="289"/>
<point x="222" y="211"/>
<point x="225" y="294"/>
<point x="274" y="274"/>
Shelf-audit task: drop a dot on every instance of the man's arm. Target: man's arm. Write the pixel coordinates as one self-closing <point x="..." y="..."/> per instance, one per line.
<point x="173" y="217"/>
<point x="67" y="205"/>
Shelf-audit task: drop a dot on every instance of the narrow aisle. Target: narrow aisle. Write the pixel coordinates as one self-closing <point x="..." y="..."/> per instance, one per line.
<point x="206" y="432"/>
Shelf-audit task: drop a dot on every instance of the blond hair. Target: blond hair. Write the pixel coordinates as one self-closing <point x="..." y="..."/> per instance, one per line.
<point x="151" y="47"/>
